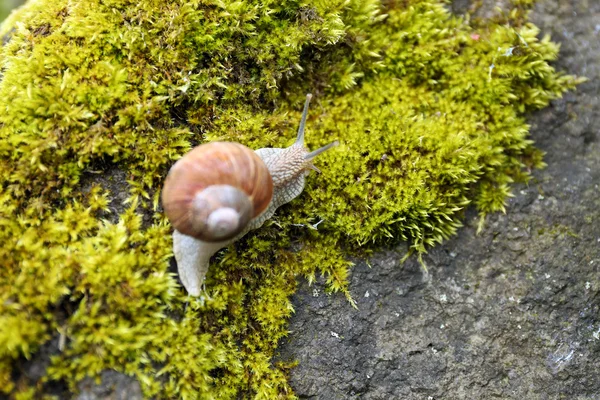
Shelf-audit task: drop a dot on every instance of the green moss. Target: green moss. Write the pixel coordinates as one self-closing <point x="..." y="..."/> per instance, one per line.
<point x="428" y="108"/>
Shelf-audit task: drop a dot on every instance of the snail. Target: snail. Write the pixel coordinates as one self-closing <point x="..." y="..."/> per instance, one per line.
<point x="219" y="191"/>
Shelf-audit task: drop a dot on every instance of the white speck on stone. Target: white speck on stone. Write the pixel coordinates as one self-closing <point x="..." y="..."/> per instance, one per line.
<point x="562" y="356"/>
<point x="540" y="197"/>
<point x="519" y="326"/>
<point x="335" y="335"/>
<point x="515" y="229"/>
<point x="367" y="294"/>
<point x="433" y="350"/>
<point x="368" y="376"/>
<point x="397" y="314"/>
<point x="444" y="298"/>
<point x="548" y="276"/>
<point x="588" y="285"/>
<point x="511" y="298"/>
<point x="442" y="326"/>
<point x="523" y="191"/>
<point x="315" y="292"/>
<point x="570" y="355"/>
<point x="452" y="254"/>
<point x="596" y="334"/>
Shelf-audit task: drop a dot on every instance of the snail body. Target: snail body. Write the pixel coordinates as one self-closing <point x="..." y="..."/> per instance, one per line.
<point x="220" y="191"/>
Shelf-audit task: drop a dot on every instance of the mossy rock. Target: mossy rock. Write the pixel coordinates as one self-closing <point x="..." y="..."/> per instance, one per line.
<point x="99" y="98"/>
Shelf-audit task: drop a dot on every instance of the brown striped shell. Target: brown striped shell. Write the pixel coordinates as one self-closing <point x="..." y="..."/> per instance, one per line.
<point x="213" y="191"/>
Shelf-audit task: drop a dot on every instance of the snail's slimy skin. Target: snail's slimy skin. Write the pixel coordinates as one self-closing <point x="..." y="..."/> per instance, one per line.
<point x="192" y="256"/>
<point x="288" y="168"/>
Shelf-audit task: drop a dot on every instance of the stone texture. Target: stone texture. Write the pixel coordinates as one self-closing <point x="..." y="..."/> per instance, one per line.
<point x="113" y="386"/>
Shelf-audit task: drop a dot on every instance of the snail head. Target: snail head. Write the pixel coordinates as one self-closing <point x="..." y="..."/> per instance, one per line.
<point x="295" y="160"/>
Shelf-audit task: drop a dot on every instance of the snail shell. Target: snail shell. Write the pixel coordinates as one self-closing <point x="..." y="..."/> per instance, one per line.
<point x="215" y="190"/>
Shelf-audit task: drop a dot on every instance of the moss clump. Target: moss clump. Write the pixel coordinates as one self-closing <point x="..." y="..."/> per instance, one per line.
<point x="428" y="107"/>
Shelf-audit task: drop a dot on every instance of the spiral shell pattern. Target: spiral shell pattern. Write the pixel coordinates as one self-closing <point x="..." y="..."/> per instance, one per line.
<point x="213" y="191"/>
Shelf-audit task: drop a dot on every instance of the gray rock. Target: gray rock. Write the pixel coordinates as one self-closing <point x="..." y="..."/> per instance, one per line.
<point x="114" y="386"/>
<point x="513" y="313"/>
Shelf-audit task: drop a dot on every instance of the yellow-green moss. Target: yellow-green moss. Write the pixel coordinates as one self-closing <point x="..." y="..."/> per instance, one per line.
<point x="428" y="108"/>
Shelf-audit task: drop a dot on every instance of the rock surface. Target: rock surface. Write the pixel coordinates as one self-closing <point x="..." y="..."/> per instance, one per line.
<point x="113" y="386"/>
<point x="512" y="313"/>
